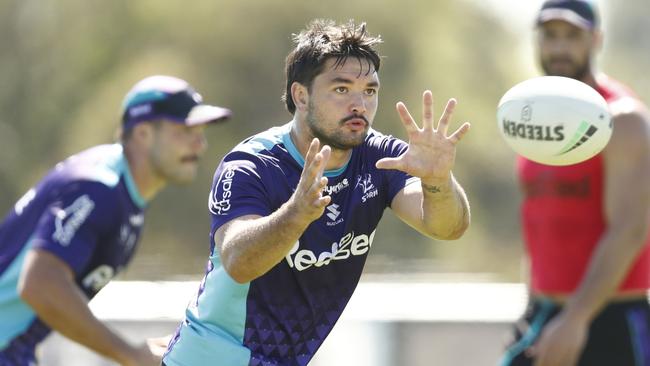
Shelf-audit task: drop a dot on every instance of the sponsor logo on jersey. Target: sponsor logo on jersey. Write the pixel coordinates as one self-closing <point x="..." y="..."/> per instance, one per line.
<point x="68" y="220"/>
<point x="333" y="214"/>
<point x="338" y="187"/>
<point x="364" y="182"/>
<point x="348" y="245"/>
<point x="136" y="220"/>
<point x="219" y="203"/>
<point x="24" y="201"/>
<point x="99" y="277"/>
<point x="128" y="237"/>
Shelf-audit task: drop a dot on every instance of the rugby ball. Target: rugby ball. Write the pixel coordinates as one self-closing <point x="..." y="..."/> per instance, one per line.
<point x="554" y="120"/>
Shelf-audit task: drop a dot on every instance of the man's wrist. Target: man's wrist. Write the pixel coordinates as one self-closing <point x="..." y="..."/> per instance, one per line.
<point x="431" y="188"/>
<point x="436" y="185"/>
<point x="577" y="313"/>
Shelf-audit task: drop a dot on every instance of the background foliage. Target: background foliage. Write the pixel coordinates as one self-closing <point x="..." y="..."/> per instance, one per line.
<point x="65" y="66"/>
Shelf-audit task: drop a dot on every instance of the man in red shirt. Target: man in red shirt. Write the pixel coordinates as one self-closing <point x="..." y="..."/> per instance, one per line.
<point x="586" y="226"/>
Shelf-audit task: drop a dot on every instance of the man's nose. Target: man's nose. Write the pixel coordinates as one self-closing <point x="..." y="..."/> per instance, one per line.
<point x="358" y="104"/>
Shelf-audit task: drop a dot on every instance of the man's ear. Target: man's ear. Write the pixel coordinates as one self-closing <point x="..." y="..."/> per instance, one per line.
<point x="142" y="132"/>
<point x="300" y="96"/>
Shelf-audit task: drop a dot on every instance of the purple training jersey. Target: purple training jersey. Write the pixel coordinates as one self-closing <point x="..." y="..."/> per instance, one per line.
<point x="283" y="316"/>
<point x="86" y="211"/>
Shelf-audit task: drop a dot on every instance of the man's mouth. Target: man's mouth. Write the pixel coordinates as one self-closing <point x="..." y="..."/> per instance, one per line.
<point x="356" y="122"/>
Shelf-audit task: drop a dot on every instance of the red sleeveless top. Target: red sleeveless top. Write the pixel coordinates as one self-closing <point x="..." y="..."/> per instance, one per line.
<point x="563" y="218"/>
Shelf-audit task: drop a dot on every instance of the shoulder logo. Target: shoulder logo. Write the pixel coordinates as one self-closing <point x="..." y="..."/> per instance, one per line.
<point x="24" y="201"/>
<point x="364" y="182"/>
<point x="219" y="203"/>
<point x="68" y="220"/>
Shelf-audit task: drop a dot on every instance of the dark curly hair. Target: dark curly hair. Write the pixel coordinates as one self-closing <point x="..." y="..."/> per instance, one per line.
<point x="321" y="40"/>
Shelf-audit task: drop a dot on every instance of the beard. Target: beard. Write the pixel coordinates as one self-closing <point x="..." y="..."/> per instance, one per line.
<point x="577" y="71"/>
<point x="336" y="139"/>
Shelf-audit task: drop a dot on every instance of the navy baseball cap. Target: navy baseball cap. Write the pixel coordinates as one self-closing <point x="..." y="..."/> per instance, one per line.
<point x="581" y="13"/>
<point x="169" y="98"/>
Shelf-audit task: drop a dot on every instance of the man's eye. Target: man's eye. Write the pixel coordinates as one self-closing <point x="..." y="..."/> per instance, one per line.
<point x="341" y="89"/>
<point x="371" y="91"/>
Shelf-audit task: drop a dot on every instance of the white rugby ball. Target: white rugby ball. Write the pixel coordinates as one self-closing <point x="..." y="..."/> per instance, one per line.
<point x="554" y="120"/>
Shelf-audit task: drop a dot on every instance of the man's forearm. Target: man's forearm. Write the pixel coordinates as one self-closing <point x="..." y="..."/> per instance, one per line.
<point x="445" y="208"/>
<point x="48" y="287"/>
<point x="76" y="322"/>
<point x="252" y="247"/>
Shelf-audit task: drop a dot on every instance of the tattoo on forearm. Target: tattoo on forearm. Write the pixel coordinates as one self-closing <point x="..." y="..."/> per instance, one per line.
<point x="431" y="189"/>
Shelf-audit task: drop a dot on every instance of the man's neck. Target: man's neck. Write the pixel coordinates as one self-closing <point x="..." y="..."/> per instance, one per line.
<point x="302" y="137"/>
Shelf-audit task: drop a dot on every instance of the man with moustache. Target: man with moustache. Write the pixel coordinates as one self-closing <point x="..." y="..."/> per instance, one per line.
<point x="77" y="228"/>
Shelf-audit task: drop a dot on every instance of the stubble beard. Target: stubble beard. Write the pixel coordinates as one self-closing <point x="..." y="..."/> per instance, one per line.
<point x="335" y="140"/>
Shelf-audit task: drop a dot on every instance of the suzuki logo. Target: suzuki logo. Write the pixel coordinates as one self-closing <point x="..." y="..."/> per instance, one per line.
<point x="333" y="211"/>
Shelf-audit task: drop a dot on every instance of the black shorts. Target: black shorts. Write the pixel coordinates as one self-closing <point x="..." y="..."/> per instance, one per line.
<point x="619" y="335"/>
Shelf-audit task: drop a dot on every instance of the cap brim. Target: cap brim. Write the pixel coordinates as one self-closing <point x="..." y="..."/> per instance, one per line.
<point x="204" y="113"/>
<point x="566" y="15"/>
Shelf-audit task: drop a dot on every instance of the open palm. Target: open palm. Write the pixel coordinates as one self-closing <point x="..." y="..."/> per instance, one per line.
<point x="431" y="153"/>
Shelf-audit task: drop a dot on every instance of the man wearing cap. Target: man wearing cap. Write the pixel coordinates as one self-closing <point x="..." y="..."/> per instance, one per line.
<point x="586" y="226"/>
<point x="79" y="226"/>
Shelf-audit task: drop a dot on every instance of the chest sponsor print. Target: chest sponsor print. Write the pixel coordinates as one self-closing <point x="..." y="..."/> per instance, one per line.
<point x="349" y="245"/>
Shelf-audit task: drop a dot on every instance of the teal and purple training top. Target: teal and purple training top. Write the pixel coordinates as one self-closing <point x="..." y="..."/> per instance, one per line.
<point x="87" y="211"/>
<point x="283" y="316"/>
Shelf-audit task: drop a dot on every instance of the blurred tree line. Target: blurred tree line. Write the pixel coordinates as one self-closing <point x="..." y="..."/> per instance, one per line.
<point x="65" y="66"/>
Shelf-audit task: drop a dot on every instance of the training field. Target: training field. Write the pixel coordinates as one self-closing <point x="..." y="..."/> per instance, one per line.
<point x="385" y="323"/>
